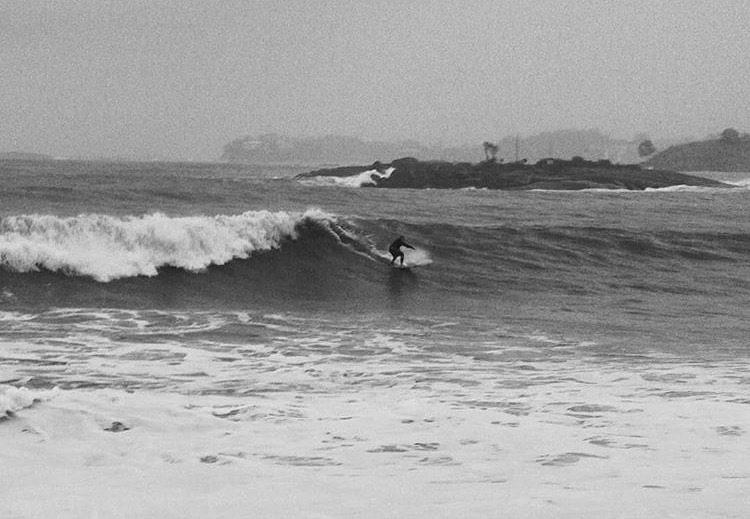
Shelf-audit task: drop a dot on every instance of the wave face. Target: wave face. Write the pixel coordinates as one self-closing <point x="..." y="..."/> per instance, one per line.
<point x="156" y="260"/>
<point x="284" y="258"/>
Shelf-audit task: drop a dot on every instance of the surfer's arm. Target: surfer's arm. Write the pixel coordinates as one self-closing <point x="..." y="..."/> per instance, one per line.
<point x="407" y="245"/>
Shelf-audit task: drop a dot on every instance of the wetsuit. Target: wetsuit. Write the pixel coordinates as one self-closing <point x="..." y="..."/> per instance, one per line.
<point x="395" y="249"/>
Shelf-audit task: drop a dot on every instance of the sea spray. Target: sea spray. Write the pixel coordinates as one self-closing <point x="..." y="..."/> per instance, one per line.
<point x="366" y="178"/>
<point x="417" y="257"/>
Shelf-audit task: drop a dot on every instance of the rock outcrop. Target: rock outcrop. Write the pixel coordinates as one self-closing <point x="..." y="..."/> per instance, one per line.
<point x="546" y="174"/>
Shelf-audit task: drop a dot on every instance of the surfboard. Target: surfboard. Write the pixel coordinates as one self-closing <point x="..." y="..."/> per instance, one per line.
<point x="387" y="260"/>
<point x="414" y="258"/>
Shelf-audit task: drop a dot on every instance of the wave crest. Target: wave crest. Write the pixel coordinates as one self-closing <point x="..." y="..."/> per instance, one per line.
<point x="108" y="247"/>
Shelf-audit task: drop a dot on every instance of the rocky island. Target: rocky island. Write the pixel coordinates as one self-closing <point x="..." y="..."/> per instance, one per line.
<point x="573" y="174"/>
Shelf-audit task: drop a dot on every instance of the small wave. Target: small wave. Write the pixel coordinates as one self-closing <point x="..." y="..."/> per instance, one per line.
<point x="686" y="189"/>
<point x="603" y="190"/>
<point x="740" y="183"/>
<point x="108" y="247"/>
<point x="624" y="191"/>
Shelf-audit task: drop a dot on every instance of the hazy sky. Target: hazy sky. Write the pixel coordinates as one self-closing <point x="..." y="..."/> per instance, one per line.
<point x="180" y="78"/>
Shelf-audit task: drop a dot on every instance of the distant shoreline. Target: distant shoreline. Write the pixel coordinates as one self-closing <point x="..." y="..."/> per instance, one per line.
<point x="20" y="155"/>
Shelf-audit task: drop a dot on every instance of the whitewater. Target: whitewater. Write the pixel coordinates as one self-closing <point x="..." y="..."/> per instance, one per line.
<point x="107" y="248"/>
<point x="192" y="340"/>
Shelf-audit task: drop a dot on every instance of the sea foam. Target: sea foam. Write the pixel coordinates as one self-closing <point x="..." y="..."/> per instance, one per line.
<point x="13" y="399"/>
<point x="741" y="183"/>
<point x="109" y="247"/>
<point x="366" y="178"/>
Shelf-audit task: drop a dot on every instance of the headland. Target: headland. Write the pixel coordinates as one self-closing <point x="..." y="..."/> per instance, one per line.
<point x="729" y="152"/>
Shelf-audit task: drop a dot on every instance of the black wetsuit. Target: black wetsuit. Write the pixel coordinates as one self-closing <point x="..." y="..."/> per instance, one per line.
<point x="395" y="249"/>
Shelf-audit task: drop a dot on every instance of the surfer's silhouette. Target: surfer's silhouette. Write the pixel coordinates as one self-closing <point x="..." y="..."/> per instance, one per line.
<point x="395" y="249"/>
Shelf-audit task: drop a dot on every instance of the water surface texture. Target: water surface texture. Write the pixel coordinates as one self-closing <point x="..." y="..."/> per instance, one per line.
<point x="203" y="340"/>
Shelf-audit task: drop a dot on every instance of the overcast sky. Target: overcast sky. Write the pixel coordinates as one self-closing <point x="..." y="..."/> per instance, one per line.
<point x="180" y="78"/>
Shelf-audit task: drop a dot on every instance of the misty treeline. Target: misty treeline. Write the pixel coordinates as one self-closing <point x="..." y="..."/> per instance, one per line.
<point x="332" y="149"/>
<point x="563" y="144"/>
<point x="647" y="148"/>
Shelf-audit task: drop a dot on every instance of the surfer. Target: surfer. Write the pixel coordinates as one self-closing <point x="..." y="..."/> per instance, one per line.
<point x="395" y="249"/>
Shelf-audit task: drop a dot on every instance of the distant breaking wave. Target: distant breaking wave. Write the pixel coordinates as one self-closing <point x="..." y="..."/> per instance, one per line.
<point x="366" y="178"/>
<point x="108" y="247"/>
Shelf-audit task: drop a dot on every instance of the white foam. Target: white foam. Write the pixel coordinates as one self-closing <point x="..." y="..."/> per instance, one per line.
<point x="400" y="422"/>
<point x="366" y="178"/>
<point x="412" y="257"/>
<point x="417" y="257"/>
<point x="568" y="440"/>
<point x="13" y="399"/>
<point x="14" y="316"/>
<point x="669" y="189"/>
<point x="603" y="190"/>
<point x="109" y="247"/>
<point x="740" y="183"/>
<point x="683" y="188"/>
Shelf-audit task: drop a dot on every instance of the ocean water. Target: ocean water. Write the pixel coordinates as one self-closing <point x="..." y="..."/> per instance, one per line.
<point x="207" y="340"/>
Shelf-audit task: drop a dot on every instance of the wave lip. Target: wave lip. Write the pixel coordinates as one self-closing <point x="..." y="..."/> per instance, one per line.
<point x="108" y="247"/>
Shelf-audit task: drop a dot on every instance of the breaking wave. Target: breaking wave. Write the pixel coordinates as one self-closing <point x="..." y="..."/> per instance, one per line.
<point x="282" y="259"/>
<point x="366" y="178"/>
<point x="107" y="247"/>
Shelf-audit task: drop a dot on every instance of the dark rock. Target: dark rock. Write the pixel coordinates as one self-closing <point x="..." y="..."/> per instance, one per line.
<point x="117" y="427"/>
<point x="546" y="174"/>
